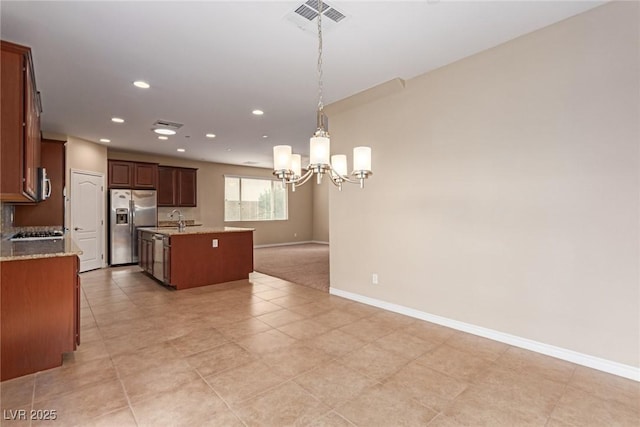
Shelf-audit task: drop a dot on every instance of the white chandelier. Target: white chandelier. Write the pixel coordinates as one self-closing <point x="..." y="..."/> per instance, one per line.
<point x="288" y="166"/>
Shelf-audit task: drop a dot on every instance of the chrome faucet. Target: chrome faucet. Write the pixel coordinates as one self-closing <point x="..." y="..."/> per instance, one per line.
<point x="181" y="224"/>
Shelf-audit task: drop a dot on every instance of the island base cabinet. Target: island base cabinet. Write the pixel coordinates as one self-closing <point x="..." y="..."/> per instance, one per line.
<point x="39" y="321"/>
<point x="194" y="261"/>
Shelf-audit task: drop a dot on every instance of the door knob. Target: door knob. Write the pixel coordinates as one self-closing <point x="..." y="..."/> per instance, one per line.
<point x="77" y="228"/>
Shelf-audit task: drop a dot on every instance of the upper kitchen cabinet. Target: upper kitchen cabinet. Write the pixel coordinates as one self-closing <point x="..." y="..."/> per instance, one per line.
<point x="20" y="125"/>
<point x="49" y="212"/>
<point x="177" y="186"/>
<point x="136" y="175"/>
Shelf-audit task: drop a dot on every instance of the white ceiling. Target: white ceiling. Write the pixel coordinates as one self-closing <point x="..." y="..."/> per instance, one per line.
<point x="211" y="63"/>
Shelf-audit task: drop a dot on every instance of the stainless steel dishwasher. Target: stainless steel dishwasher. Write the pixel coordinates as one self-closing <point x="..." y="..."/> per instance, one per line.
<point x="158" y="262"/>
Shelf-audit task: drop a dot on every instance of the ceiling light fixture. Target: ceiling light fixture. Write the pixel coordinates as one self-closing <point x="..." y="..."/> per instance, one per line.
<point x="288" y="166"/>
<point x="257" y="112"/>
<point x="182" y="150"/>
<point x="105" y="140"/>
<point x="163" y="131"/>
<point x="210" y="135"/>
<point x="162" y="137"/>
<point x="117" y="120"/>
<point x="141" y="84"/>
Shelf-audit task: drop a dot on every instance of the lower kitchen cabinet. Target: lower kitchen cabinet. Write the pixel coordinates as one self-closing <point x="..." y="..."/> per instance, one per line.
<point x="40" y="316"/>
<point x="200" y="257"/>
<point x="145" y="251"/>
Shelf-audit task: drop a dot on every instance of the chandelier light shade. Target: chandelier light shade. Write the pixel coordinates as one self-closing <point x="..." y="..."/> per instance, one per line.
<point x="288" y="166"/>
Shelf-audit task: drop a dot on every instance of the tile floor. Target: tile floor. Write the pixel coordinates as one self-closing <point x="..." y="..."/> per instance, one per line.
<point x="265" y="352"/>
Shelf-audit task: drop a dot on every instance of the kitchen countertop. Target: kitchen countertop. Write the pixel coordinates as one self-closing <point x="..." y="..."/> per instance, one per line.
<point x="16" y="250"/>
<point x="194" y="230"/>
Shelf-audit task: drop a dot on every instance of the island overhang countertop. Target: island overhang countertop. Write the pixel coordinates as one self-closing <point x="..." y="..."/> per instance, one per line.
<point x="194" y="230"/>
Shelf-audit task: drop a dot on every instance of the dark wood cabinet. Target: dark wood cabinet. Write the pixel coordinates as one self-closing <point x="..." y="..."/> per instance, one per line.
<point x="166" y="259"/>
<point x="49" y="212"/>
<point x="145" y="251"/>
<point x="20" y="125"/>
<point x="177" y="186"/>
<point x="40" y="313"/>
<point x="135" y="175"/>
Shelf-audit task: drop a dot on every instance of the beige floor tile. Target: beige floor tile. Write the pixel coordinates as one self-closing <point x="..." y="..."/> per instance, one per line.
<point x="243" y="328"/>
<point x="405" y="344"/>
<point x="583" y="409"/>
<point x="286" y="405"/>
<point x="334" y="384"/>
<point x="198" y="340"/>
<point x="331" y="419"/>
<point x="607" y="386"/>
<point x="280" y="318"/>
<point x="523" y="395"/>
<point x="266" y="342"/>
<point x="244" y="382"/>
<point x="455" y="363"/>
<point x="312" y="309"/>
<point x="290" y="301"/>
<point x="366" y="330"/>
<point x="157" y="380"/>
<point x="134" y="341"/>
<point x="336" y="318"/>
<point x="361" y="310"/>
<point x="431" y="388"/>
<point x="86" y="352"/>
<point x="336" y="343"/>
<point x="193" y="404"/>
<point x="120" y="418"/>
<point x="294" y="360"/>
<point x="478" y="346"/>
<point x="83" y="404"/>
<point x="263" y="307"/>
<point x="304" y="329"/>
<point x="380" y="406"/>
<point x="17" y="392"/>
<point x="272" y="294"/>
<point x="220" y="359"/>
<point x="63" y="380"/>
<point x="475" y="413"/>
<point x="524" y="360"/>
<point x="153" y="356"/>
<point x="429" y="332"/>
<point x="374" y="362"/>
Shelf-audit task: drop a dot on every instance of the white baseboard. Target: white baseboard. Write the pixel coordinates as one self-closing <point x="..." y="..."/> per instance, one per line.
<point x="273" y="245"/>
<point x="600" y="364"/>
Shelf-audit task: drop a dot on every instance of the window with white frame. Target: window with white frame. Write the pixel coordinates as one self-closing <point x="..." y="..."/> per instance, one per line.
<point x="254" y="199"/>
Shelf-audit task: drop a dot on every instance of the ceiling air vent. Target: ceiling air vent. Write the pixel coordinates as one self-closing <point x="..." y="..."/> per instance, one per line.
<point x="167" y="124"/>
<point x="305" y="16"/>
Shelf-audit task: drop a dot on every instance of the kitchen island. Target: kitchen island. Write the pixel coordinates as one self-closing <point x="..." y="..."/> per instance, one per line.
<point x="40" y="304"/>
<point x="196" y="256"/>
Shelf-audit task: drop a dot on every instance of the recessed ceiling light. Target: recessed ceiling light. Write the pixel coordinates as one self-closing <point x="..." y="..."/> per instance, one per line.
<point x="182" y="150"/>
<point x="257" y="112"/>
<point x="105" y="140"/>
<point x="141" y="84"/>
<point x="117" y="120"/>
<point x="163" y="131"/>
<point x="210" y="135"/>
<point x="162" y="137"/>
<point x="228" y="149"/>
<point x="265" y="136"/>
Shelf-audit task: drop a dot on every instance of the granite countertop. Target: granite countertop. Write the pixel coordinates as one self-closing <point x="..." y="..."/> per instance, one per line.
<point x="13" y="251"/>
<point x="195" y="230"/>
<point x="187" y="222"/>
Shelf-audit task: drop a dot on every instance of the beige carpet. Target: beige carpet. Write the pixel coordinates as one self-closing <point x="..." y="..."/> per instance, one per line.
<point x="306" y="264"/>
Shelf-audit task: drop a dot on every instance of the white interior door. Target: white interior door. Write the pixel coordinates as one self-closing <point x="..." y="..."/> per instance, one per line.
<point x="87" y="217"/>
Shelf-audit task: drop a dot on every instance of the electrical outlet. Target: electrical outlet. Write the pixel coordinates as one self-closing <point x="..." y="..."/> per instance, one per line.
<point x="374" y="279"/>
<point x="214" y="243"/>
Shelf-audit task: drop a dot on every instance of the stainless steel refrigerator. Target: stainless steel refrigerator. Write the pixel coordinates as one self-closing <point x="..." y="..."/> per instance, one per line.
<point x="129" y="210"/>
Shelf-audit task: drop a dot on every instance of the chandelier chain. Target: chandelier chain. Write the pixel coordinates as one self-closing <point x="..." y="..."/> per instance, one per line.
<point x="320" y="85"/>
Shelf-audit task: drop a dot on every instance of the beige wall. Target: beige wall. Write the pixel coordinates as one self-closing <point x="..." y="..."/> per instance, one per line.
<point x="321" y="210"/>
<point x="210" y="209"/>
<point x="505" y="189"/>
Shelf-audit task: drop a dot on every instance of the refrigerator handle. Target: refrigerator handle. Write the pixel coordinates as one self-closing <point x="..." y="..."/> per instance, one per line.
<point x="132" y="216"/>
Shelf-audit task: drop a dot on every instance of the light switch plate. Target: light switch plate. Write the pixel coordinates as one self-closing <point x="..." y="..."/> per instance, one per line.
<point x="214" y="243"/>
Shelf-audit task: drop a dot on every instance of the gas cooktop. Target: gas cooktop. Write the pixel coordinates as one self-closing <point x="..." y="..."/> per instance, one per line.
<point x="37" y="235"/>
